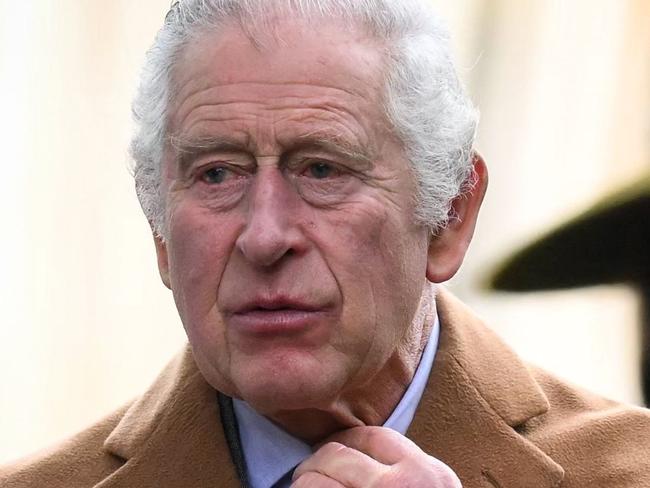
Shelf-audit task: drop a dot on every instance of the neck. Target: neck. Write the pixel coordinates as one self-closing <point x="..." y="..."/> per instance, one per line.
<point x="372" y="403"/>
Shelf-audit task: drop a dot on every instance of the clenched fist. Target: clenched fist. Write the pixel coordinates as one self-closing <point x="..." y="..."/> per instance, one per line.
<point x="372" y="457"/>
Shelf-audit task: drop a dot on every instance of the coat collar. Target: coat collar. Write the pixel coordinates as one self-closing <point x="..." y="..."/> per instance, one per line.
<point x="172" y="436"/>
<point x="477" y="396"/>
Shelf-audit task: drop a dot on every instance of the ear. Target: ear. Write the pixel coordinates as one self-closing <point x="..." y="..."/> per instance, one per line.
<point x="447" y="249"/>
<point x="163" y="261"/>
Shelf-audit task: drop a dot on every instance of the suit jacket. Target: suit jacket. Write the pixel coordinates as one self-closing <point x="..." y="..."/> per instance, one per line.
<point x="496" y="421"/>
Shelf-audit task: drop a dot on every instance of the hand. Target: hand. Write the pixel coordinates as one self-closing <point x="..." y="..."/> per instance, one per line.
<point x="372" y="457"/>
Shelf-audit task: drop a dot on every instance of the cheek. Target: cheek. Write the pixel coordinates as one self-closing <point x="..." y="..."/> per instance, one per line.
<point x="379" y="260"/>
<point x="375" y="244"/>
<point x="198" y="247"/>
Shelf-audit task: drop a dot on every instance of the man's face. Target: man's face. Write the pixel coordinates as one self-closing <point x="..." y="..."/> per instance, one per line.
<point x="291" y="251"/>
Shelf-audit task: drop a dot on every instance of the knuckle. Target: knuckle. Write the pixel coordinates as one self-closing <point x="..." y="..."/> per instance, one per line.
<point x="304" y="480"/>
<point x="444" y="474"/>
<point x="332" y="448"/>
<point x="376" y="436"/>
<point x="390" y="477"/>
<point x="312" y="480"/>
<point x="398" y="477"/>
<point x="421" y="471"/>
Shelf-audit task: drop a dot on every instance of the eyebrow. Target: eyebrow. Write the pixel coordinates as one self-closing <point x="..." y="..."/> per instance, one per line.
<point x="334" y="145"/>
<point x="187" y="150"/>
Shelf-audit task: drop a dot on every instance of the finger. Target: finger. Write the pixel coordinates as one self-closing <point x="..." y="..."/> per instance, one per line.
<point x="343" y="464"/>
<point x="315" y="480"/>
<point x="380" y="443"/>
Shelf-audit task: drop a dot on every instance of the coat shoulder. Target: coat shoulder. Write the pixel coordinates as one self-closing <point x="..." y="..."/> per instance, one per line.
<point x="80" y="461"/>
<point x="599" y="442"/>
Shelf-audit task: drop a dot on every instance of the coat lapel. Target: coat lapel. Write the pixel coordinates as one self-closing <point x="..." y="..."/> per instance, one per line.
<point x="172" y="436"/>
<point x="478" y="396"/>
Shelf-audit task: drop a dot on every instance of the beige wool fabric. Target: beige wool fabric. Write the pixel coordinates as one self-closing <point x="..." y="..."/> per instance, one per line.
<point x="496" y="421"/>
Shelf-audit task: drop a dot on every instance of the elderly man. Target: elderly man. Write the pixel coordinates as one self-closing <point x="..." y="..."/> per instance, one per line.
<point x="308" y="173"/>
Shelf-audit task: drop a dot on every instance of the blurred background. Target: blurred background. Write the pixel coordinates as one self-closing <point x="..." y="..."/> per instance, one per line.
<point x="564" y="91"/>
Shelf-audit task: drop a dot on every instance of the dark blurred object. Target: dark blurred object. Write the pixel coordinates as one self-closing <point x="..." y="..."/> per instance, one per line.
<point x="609" y="243"/>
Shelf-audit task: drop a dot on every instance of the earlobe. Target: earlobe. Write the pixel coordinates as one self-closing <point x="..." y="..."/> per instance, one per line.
<point x="163" y="261"/>
<point x="447" y="249"/>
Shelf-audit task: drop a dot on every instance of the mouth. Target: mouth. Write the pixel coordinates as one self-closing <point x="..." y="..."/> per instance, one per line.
<point x="276" y="304"/>
<point x="273" y="317"/>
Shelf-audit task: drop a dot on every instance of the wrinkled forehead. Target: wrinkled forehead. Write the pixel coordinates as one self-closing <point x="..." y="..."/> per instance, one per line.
<point x="286" y="50"/>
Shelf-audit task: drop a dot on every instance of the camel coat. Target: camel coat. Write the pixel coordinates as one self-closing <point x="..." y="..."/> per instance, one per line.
<point x="496" y="421"/>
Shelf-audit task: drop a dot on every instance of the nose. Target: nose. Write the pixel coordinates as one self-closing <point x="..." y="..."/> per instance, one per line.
<point x="272" y="230"/>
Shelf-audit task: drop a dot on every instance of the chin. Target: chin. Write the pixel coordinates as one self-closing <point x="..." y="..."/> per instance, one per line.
<point x="287" y="387"/>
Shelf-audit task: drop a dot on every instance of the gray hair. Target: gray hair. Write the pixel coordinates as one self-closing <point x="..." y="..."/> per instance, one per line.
<point x="424" y="100"/>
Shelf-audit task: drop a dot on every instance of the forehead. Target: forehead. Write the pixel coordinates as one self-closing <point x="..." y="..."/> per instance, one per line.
<point x="292" y="55"/>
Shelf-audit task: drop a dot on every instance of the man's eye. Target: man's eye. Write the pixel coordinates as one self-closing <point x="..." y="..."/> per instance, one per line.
<point x="321" y="170"/>
<point x="216" y="175"/>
